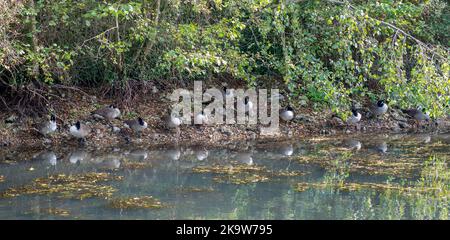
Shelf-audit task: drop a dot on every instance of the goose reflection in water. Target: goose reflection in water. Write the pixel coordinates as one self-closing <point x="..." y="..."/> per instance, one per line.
<point x="286" y="149"/>
<point x="245" y="158"/>
<point x="48" y="157"/>
<point x="425" y="138"/>
<point x="173" y="153"/>
<point x="79" y="156"/>
<point x="137" y="154"/>
<point x="201" y="154"/>
<point x="352" y="144"/>
<point x="110" y="161"/>
<point x="381" y="147"/>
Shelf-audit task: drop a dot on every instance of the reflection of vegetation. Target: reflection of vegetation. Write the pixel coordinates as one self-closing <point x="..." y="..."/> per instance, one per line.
<point x="339" y="169"/>
<point x="434" y="179"/>
<point x="244" y="174"/>
<point x="136" y="202"/>
<point x="404" y="161"/>
<point x="242" y="202"/>
<point x="425" y="198"/>
<point x="68" y="186"/>
<point x="2" y="178"/>
<point x="436" y="175"/>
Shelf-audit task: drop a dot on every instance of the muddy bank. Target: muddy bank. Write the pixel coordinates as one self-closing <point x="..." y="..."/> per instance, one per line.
<point x="18" y="132"/>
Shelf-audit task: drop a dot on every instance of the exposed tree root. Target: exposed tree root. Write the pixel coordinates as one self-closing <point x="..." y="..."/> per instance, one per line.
<point x="126" y="94"/>
<point x="32" y="99"/>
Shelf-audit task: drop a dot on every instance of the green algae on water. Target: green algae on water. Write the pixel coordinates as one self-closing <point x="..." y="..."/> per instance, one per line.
<point x="244" y="174"/>
<point x="229" y="169"/>
<point x="79" y="186"/>
<point x="284" y="173"/>
<point x="136" y="165"/>
<point x="147" y="202"/>
<point x="241" y="179"/>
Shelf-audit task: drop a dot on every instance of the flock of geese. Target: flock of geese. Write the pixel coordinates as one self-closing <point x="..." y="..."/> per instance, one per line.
<point x="80" y="131"/>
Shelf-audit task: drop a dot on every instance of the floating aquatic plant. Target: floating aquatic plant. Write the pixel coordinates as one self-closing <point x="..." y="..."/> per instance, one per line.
<point x="284" y="173"/>
<point x="228" y="169"/>
<point x="136" y="202"/>
<point x="136" y="165"/>
<point x="241" y="179"/>
<point x="67" y="186"/>
<point x="244" y="174"/>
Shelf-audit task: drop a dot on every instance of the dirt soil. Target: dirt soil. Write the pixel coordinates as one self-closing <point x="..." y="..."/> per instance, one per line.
<point x="17" y="131"/>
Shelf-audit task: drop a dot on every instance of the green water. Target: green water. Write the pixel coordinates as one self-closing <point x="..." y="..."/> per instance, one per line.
<point x="170" y="175"/>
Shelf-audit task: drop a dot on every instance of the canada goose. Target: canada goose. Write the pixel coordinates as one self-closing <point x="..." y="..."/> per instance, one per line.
<point x="136" y="125"/>
<point x="279" y="96"/>
<point x="78" y="156"/>
<point x="109" y="113"/>
<point x="287" y="114"/>
<point x="355" y="117"/>
<point x="172" y="122"/>
<point x="47" y="127"/>
<point x="379" y="108"/>
<point x="417" y="114"/>
<point x="201" y="118"/>
<point x="80" y="131"/>
<point x="227" y="93"/>
<point x="248" y="104"/>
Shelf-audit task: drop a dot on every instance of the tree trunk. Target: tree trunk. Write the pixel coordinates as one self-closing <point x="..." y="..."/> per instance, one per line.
<point x="34" y="40"/>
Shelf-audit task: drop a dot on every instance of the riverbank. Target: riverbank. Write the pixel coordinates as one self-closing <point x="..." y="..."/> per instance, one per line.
<point x="17" y="131"/>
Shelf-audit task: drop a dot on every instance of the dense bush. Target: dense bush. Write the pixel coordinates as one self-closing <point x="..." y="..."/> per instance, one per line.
<point x="329" y="52"/>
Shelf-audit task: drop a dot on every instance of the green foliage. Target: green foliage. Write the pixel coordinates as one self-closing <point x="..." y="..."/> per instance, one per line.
<point x="329" y="52"/>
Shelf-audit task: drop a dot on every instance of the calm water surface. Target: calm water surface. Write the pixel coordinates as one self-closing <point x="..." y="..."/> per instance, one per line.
<point x="339" y="179"/>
